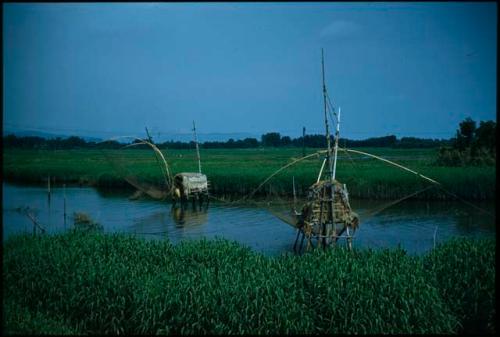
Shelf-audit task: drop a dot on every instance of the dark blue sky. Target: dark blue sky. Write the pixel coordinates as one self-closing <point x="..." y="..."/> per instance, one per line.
<point x="414" y="69"/>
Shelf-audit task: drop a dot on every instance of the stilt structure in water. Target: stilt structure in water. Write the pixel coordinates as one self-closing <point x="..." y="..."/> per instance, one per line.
<point x="181" y="187"/>
<point x="327" y="215"/>
<point x="191" y="185"/>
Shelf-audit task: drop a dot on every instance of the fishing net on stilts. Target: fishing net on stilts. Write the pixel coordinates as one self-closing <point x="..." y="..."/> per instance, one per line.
<point x="142" y="167"/>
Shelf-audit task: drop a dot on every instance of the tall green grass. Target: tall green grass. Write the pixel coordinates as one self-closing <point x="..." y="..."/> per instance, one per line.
<point x="464" y="272"/>
<point x="19" y="320"/>
<point x="96" y="283"/>
<point x="234" y="173"/>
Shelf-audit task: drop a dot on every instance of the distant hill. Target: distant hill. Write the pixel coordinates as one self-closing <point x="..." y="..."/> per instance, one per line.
<point x="161" y="137"/>
<point x="46" y="135"/>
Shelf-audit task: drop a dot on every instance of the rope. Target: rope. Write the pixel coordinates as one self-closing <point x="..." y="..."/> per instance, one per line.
<point x="168" y="177"/>
<point x="375" y="211"/>
<point x="149" y="233"/>
<point x="330" y="102"/>
<point x="424" y="177"/>
<point x="279" y="170"/>
<point x="129" y="177"/>
<point x="346" y="150"/>
<point x="284" y="218"/>
<point x="395" y="164"/>
<point x="287" y="219"/>
<point x="331" y="111"/>
<point x="467" y="202"/>
<point x="384" y="207"/>
<point x="149" y="190"/>
<point x="355" y="168"/>
<point x="218" y="199"/>
<point x="164" y="173"/>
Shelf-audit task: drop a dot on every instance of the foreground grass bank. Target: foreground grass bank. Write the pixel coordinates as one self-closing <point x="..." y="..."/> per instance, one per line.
<point x="94" y="283"/>
<point x="235" y="173"/>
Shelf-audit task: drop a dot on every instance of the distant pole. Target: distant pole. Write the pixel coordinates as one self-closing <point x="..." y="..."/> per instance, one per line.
<point x="329" y="152"/>
<point x="156" y="154"/>
<point x="336" y="146"/>
<point x="197" y="148"/>
<point x="64" y="196"/>
<point x="149" y="137"/>
<point x="303" y="141"/>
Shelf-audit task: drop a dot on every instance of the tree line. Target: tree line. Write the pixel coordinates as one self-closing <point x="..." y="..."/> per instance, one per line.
<point x="470" y="140"/>
<point x="272" y="139"/>
<point x="472" y="145"/>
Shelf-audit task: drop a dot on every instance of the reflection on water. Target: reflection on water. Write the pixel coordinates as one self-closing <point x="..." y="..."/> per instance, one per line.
<point x="411" y="224"/>
<point x="189" y="215"/>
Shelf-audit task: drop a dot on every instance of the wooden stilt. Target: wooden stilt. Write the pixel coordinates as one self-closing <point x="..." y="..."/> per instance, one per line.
<point x="309" y="242"/>
<point x="302" y="240"/>
<point x="296" y="239"/>
<point x="321" y="214"/>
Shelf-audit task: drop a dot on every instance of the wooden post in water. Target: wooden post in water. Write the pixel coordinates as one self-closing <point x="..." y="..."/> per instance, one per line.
<point x="435" y="231"/>
<point x="64" y="196"/>
<point x="48" y="201"/>
<point x="48" y="188"/>
<point x="294" y="195"/>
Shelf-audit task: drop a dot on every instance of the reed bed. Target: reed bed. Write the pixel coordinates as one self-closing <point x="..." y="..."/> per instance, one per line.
<point x="235" y="173"/>
<point x="94" y="283"/>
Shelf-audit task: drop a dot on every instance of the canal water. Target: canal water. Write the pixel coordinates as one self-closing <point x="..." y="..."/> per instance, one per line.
<point x="414" y="225"/>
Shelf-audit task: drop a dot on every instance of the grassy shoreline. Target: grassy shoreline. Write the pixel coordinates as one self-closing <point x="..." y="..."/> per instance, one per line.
<point x="92" y="283"/>
<point x="235" y="173"/>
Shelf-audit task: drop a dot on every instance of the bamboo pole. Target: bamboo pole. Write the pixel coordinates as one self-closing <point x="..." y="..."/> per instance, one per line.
<point x="168" y="177"/>
<point x="393" y="163"/>
<point x="156" y="155"/>
<point x="321" y="171"/>
<point x="197" y="148"/>
<point x="324" y="151"/>
<point x="329" y="153"/>
<point x="278" y="171"/>
<point x="336" y="146"/>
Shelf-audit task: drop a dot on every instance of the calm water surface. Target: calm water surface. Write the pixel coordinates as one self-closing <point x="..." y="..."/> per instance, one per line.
<point x="410" y="224"/>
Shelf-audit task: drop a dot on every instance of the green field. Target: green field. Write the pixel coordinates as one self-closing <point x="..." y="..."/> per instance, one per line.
<point x="237" y="172"/>
<point x="92" y="283"/>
